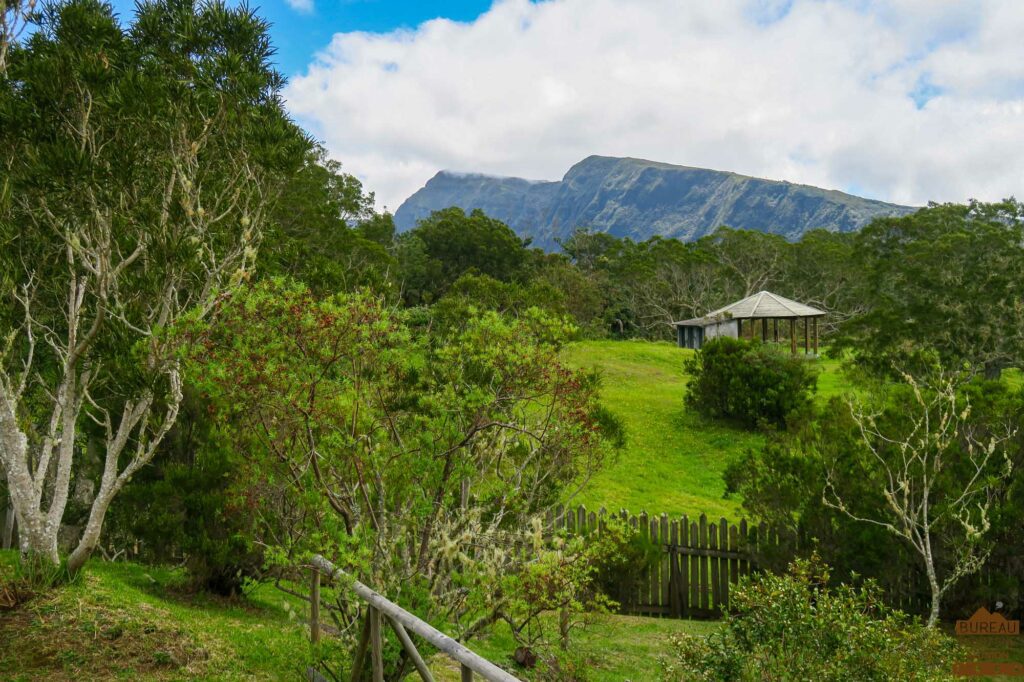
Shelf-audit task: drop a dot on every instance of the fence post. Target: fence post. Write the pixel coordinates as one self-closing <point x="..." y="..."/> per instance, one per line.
<point x="376" y="646"/>
<point x="314" y="608"/>
<point x="705" y="601"/>
<point x="364" y="639"/>
<point x="723" y="567"/>
<point x="714" y="560"/>
<point x="467" y="674"/>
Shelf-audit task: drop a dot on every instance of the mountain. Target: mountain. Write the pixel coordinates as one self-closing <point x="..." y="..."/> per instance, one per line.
<point x="639" y="199"/>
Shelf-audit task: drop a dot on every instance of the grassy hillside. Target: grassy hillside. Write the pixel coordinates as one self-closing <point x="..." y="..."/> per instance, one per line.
<point x="673" y="459"/>
<point x="126" y="621"/>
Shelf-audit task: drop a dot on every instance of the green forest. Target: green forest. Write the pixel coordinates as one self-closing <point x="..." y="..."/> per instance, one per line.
<point x="218" y="359"/>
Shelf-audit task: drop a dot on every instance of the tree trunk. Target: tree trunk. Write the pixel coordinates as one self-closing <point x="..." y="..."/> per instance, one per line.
<point x="933" y="616"/>
<point x="563" y="627"/>
<point x="90" y="536"/>
<point x="9" y="525"/>
<point x="933" y="584"/>
<point x="36" y="536"/>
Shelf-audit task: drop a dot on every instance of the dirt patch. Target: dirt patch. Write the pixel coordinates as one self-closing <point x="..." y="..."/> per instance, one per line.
<point x="53" y="640"/>
<point x="14" y="593"/>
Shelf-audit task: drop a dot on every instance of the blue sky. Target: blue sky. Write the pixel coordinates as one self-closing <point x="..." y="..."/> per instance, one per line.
<point x="303" y="27"/>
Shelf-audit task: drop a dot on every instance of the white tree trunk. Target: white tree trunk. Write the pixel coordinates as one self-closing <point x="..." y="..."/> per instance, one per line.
<point x="8" y="526"/>
<point x="38" y="528"/>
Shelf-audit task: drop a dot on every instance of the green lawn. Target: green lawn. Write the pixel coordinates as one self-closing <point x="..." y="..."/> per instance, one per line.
<point x="613" y="648"/>
<point x="673" y="459"/>
<point x="129" y="621"/>
<point x="126" y="621"/>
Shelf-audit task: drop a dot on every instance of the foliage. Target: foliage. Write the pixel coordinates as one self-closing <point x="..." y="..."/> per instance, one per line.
<point x="940" y="476"/>
<point x="449" y="243"/>
<point x="783" y="482"/>
<point x="752" y="383"/>
<point x="796" y="627"/>
<point x="324" y="232"/>
<point x="140" y="163"/>
<point x="946" y="278"/>
<point x="190" y="506"/>
<point x="411" y="461"/>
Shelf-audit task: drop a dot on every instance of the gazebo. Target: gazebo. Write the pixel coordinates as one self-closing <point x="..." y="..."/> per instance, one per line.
<point x="763" y="306"/>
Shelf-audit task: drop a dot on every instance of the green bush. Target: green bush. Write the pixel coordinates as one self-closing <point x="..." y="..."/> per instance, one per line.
<point x="752" y="383"/>
<point x="187" y="507"/>
<point x="795" y="627"/>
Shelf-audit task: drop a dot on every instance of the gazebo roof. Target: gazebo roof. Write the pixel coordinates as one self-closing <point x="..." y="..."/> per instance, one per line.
<point x="763" y="304"/>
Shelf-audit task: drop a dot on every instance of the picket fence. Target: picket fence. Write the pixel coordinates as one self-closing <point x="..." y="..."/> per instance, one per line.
<point x="698" y="563"/>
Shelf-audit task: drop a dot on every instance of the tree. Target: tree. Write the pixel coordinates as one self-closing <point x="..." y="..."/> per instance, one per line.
<point x="823" y="271"/>
<point x="410" y="458"/>
<point x="15" y="16"/>
<point x="752" y="260"/>
<point x="325" y="233"/>
<point x="939" y="476"/>
<point x="142" y="164"/>
<point x="449" y="243"/>
<point x="946" y="277"/>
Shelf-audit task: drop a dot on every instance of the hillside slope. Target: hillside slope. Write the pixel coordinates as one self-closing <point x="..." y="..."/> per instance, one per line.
<point x="639" y="199"/>
<point x="128" y="621"/>
<point x="674" y="459"/>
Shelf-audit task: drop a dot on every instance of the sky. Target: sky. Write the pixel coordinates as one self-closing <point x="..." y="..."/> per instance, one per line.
<point x="902" y="100"/>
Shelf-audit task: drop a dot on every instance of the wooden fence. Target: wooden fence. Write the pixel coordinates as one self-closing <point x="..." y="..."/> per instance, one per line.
<point x="697" y="564"/>
<point x="381" y="611"/>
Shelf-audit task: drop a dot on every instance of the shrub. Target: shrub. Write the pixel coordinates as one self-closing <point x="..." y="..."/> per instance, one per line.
<point x="753" y="383"/>
<point x="190" y="505"/>
<point x="795" y="627"/>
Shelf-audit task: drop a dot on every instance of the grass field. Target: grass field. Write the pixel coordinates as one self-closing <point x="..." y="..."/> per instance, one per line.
<point x="613" y="648"/>
<point x="126" y="621"/>
<point x="673" y="459"/>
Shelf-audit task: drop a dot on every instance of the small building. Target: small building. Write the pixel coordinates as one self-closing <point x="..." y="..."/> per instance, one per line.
<point x="742" y="318"/>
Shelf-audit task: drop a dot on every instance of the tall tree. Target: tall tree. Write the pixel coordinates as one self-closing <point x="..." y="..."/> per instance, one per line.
<point x="948" y="278"/>
<point x="316" y="233"/>
<point x="142" y="164"/>
<point x="449" y="243"/>
<point x="940" y="475"/>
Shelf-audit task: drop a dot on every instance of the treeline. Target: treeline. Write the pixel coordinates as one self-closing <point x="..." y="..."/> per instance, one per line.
<point x="946" y="277"/>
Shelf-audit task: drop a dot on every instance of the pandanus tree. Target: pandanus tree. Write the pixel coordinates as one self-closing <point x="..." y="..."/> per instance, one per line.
<point x="138" y="168"/>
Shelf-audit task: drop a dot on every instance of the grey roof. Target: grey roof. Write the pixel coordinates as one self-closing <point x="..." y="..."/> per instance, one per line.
<point x="761" y="304"/>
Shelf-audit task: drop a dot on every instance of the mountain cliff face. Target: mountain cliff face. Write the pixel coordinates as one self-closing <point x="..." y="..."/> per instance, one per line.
<point x="639" y="199"/>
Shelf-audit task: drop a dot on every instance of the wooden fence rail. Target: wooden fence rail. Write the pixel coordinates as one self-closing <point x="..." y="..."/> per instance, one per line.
<point x="402" y="622"/>
<point x="698" y="561"/>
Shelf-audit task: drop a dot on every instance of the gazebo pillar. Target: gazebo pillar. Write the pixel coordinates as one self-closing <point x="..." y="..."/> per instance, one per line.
<point x="792" y="335"/>
<point x="807" y="336"/>
<point x="815" y="337"/>
<point x="764" y="329"/>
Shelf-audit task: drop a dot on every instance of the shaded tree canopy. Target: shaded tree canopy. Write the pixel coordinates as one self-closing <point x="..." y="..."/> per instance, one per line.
<point x="947" y="277"/>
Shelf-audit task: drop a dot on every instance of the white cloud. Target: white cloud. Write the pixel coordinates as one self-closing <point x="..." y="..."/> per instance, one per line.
<point x="814" y="91"/>
<point x="304" y="6"/>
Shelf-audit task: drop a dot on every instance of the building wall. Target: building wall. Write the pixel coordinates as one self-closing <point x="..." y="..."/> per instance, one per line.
<point x="730" y="328"/>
